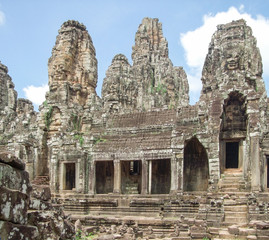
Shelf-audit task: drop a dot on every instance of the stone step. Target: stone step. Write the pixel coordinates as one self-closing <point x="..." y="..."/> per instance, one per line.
<point x="252" y="237"/>
<point x="180" y="238"/>
<point x="235" y="202"/>
<point x="236" y="214"/>
<point x="224" y="234"/>
<point x="229" y="177"/>
<point x="235" y="208"/>
<point x="232" y="190"/>
<point x="235" y="220"/>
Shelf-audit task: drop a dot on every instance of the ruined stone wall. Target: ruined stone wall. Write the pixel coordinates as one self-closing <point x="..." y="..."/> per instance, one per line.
<point x="15" y="191"/>
<point x="18" y="124"/>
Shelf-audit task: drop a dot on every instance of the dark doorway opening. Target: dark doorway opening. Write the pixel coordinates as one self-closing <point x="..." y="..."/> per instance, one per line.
<point x="104" y="177"/>
<point x="131" y="178"/>
<point x="196" y="171"/>
<point x="70" y="176"/>
<point x="161" y="176"/>
<point x="232" y="152"/>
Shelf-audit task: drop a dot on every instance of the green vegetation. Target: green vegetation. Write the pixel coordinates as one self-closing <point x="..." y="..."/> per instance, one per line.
<point x="48" y="117"/>
<point x="80" y="138"/>
<point x="98" y="140"/>
<point x="160" y="89"/>
<point x="81" y="236"/>
<point x="76" y="121"/>
<point x="76" y="124"/>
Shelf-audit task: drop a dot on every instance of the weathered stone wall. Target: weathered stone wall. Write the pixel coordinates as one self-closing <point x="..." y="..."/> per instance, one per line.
<point x="15" y="191"/>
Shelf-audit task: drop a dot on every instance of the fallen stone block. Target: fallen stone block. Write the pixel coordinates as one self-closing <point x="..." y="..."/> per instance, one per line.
<point x="10" y="159"/>
<point x="15" y="179"/>
<point x="13" y="231"/>
<point x="13" y="205"/>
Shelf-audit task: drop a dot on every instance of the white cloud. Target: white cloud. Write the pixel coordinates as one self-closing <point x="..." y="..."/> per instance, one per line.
<point x="196" y="42"/>
<point x="36" y="94"/>
<point x="2" y="18"/>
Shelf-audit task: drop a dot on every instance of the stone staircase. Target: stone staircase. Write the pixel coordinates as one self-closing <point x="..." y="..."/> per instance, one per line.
<point x="218" y="216"/>
<point x="232" y="181"/>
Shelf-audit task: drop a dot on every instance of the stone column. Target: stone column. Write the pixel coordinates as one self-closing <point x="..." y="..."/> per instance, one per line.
<point x="61" y="176"/>
<point x="78" y="179"/>
<point x="144" y="187"/>
<point x="91" y="185"/>
<point x="174" y="175"/>
<point x="255" y="163"/>
<point x="117" y="177"/>
<point x="180" y="163"/>
<point x="150" y="175"/>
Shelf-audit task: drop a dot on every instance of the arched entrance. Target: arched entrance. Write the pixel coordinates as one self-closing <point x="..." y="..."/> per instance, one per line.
<point x="233" y="131"/>
<point x="196" y="173"/>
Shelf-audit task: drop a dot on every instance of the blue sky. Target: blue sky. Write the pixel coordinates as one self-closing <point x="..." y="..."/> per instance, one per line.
<point x="28" y="30"/>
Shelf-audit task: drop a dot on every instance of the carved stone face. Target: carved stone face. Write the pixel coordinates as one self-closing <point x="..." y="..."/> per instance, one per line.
<point x="113" y="90"/>
<point x="232" y="60"/>
<point x="231" y="111"/>
<point x="61" y="69"/>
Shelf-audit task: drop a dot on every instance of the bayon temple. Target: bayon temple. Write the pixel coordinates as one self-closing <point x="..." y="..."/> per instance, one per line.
<point x="140" y="161"/>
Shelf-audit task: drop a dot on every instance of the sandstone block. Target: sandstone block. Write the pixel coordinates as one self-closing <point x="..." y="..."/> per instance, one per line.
<point x="8" y="158"/>
<point x="233" y="230"/>
<point x="15" y="179"/>
<point x="37" y="204"/>
<point x="41" y="192"/>
<point x="14" y="205"/>
<point x="51" y="225"/>
<point x="13" y="231"/>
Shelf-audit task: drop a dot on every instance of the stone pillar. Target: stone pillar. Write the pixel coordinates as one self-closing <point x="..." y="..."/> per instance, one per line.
<point x="117" y="177"/>
<point x="255" y="163"/>
<point x="174" y="175"/>
<point x="91" y="184"/>
<point x="78" y="179"/>
<point x="144" y="187"/>
<point x="180" y="176"/>
<point x="61" y="176"/>
<point x="150" y="175"/>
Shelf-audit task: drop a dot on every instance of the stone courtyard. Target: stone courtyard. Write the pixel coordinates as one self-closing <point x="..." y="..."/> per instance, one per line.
<point x="139" y="162"/>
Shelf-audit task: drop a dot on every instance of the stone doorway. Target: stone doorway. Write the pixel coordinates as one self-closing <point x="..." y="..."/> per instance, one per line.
<point x="131" y="177"/>
<point x="232" y="155"/>
<point x="233" y="131"/>
<point x="104" y="177"/>
<point x="160" y="176"/>
<point x="70" y="176"/>
<point x="196" y="172"/>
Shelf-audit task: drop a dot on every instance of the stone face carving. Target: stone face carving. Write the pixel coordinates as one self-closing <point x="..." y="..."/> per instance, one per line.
<point x="73" y="62"/>
<point x="232" y="54"/>
<point x="119" y="89"/>
<point x="152" y="81"/>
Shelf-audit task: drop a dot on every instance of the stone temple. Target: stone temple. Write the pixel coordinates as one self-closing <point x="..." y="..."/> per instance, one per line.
<point x="141" y="162"/>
